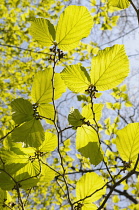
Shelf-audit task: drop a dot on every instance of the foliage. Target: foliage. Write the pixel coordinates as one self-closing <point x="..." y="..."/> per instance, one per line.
<point x="40" y="166"/>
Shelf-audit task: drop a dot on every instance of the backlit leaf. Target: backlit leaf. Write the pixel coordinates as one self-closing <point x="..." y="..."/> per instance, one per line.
<point x="85" y="134"/>
<point x="109" y="68"/>
<point x="43" y="31"/>
<point x="31" y="133"/>
<point x="88" y="114"/>
<point x="42" y="90"/>
<point x="50" y="143"/>
<point x="92" y="151"/>
<point x="121" y="4"/>
<point x="75" y="23"/>
<point x="75" y="118"/>
<point x="90" y="184"/>
<point x="127" y="142"/>
<point x="76" y="78"/>
<point x="22" y="109"/>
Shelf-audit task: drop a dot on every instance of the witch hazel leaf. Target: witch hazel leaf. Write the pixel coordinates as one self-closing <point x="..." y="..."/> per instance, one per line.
<point x="128" y="138"/>
<point x="76" y="78"/>
<point x="43" y="31"/>
<point x="42" y="90"/>
<point x="109" y="68"/>
<point x="31" y="133"/>
<point x="88" y="114"/>
<point x="75" y="118"/>
<point x="75" y="23"/>
<point x="50" y="143"/>
<point x="22" y="110"/>
<point x="120" y="4"/>
<point x="90" y="185"/>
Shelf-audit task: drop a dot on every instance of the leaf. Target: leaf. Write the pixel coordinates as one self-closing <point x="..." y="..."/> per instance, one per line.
<point x="85" y="134"/>
<point x="47" y="111"/>
<point x="90" y="184"/>
<point x="121" y="4"/>
<point x="92" y="151"/>
<point x="43" y="31"/>
<point x="76" y="78"/>
<point x="75" y="23"/>
<point x="6" y="182"/>
<point x="109" y="68"/>
<point x="127" y="142"/>
<point x="47" y="175"/>
<point x="22" y="109"/>
<point x="87" y="112"/>
<point x="50" y="143"/>
<point x="75" y="118"/>
<point x="31" y="133"/>
<point x="42" y="90"/>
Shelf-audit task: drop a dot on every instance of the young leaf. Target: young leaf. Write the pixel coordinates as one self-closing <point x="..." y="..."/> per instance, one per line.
<point x="75" y="118"/>
<point x="109" y="68"/>
<point x="127" y="142"/>
<point x="43" y="31"/>
<point x="87" y="112"/>
<point x="75" y="23"/>
<point x="47" y="175"/>
<point x="92" y="151"/>
<point x="42" y="90"/>
<point x="76" y="78"/>
<point x="47" y="111"/>
<point x="31" y="133"/>
<point x="50" y="143"/>
<point x="121" y="4"/>
<point x="85" y="134"/>
<point x="22" y="109"/>
<point x="91" y="185"/>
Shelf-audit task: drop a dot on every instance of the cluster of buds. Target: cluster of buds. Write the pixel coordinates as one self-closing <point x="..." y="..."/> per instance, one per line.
<point x="36" y="113"/>
<point x="59" y="53"/>
<point x="92" y="91"/>
<point x="78" y="206"/>
<point x="36" y="156"/>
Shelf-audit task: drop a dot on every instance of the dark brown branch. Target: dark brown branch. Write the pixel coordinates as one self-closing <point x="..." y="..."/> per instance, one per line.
<point x="118" y="183"/>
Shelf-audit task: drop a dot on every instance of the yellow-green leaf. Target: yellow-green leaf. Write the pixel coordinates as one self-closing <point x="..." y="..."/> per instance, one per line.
<point x="92" y="185"/>
<point x="121" y="4"/>
<point x="109" y="68"/>
<point x="76" y="78"/>
<point x="50" y="143"/>
<point x="85" y="134"/>
<point x="75" y="118"/>
<point x="75" y="23"/>
<point x="42" y="89"/>
<point x="43" y="31"/>
<point x="127" y="142"/>
<point x="88" y="114"/>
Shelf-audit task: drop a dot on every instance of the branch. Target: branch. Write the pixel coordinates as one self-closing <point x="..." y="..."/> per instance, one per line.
<point x="3" y="137"/>
<point x="118" y="183"/>
<point x="136" y="10"/>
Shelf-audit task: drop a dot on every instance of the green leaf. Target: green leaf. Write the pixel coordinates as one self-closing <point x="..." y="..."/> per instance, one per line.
<point x="47" y="175"/>
<point x="127" y="143"/>
<point x="6" y="182"/>
<point x="109" y="68"/>
<point x="75" y="118"/>
<point x="76" y="78"/>
<point x="31" y="133"/>
<point x="50" y="143"/>
<point x="75" y="23"/>
<point x="121" y="4"/>
<point x="90" y="184"/>
<point x="43" y="31"/>
<point x="85" y="134"/>
<point x="47" y="111"/>
<point x="22" y="109"/>
<point x="87" y="112"/>
<point x="92" y="151"/>
<point x="42" y="90"/>
<point x="5" y="198"/>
